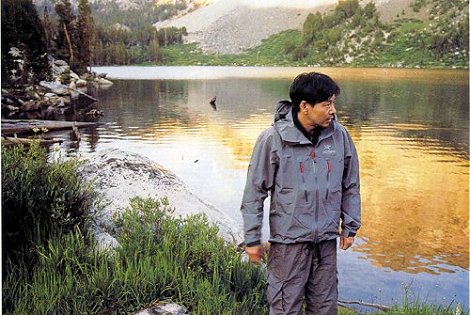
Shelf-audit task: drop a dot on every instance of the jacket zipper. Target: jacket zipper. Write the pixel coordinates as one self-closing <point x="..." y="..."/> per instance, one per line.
<point x="302" y="169"/>
<point x="328" y="178"/>
<point x="316" y="193"/>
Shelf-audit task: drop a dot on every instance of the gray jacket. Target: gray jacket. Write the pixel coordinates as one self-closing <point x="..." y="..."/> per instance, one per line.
<point x="311" y="188"/>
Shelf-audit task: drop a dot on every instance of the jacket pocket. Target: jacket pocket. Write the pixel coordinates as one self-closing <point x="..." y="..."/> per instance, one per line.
<point x="333" y="205"/>
<point x="287" y="177"/>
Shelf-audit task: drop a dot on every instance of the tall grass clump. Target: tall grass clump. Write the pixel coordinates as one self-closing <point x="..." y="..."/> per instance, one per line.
<point x="161" y="258"/>
<point x="39" y="198"/>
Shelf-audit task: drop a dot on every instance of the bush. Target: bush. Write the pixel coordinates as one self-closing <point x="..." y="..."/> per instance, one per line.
<point x="161" y="259"/>
<point x="39" y="198"/>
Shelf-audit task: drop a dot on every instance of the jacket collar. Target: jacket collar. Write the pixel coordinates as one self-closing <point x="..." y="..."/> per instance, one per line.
<point x="289" y="133"/>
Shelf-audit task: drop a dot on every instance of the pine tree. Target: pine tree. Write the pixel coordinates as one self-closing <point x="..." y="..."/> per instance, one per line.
<point x="85" y="35"/>
<point x="48" y="30"/>
<point x="154" y="48"/>
<point x="65" y="41"/>
<point x="22" y="29"/>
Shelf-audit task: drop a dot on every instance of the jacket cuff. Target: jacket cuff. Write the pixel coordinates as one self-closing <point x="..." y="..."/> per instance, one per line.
<point x="255" y="243"/>
<point x="346" y="233"/>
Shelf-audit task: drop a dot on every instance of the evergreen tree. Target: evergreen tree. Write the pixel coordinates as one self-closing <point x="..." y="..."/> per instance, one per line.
<point x="23" y="45"/>
<point x="313" y="26"/>
<point x="85" y="36"/>
<point x="346" y="8"/>
<point x="154" y="48"/>
<point x="65" y="40"/>
<point x="48" y="29"/>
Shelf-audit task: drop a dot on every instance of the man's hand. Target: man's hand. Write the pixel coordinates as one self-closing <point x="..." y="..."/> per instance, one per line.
<point x="255" y="253"/>
<point x="346" y="242"/>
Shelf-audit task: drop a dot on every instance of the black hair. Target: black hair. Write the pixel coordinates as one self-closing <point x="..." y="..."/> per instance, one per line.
<point x="312" y="87"/>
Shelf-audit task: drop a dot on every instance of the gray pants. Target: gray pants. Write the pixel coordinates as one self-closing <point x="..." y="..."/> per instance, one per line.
<point x="303" y="272"/>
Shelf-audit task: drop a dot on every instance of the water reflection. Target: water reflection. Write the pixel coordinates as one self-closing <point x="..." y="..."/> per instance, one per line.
<point x="411" y="134"/>
<point x="415" y="204"/>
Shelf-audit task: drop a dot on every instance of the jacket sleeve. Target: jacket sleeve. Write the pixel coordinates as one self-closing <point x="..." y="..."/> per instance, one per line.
<point x="351" y="197"/>
<point x="260" y="180"/>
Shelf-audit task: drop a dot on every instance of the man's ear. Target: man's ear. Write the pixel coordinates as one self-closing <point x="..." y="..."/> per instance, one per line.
<point x="303" y="106"/>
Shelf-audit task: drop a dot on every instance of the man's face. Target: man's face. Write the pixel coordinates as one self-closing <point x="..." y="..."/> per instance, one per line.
<point x="321" y="114"/>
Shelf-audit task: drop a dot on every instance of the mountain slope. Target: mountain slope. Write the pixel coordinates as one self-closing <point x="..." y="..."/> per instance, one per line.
<point x="231" y="26"/>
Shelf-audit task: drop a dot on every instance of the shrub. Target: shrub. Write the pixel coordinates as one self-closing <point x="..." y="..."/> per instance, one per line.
<point x="39" y="198"/>
<point x="161" y="259"/>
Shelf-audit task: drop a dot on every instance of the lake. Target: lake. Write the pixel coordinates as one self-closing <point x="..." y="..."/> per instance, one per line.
<point x="411" y="130"/>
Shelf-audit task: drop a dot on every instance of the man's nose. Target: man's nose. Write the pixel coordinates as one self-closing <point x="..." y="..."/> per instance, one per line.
<point x="332" y="110"/>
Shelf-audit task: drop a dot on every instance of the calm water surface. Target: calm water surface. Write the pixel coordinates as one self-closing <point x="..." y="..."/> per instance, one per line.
<point x="410" y="128"/>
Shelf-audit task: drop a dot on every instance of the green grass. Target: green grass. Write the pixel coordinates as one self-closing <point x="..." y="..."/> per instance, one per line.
<point x="161" y="258"/>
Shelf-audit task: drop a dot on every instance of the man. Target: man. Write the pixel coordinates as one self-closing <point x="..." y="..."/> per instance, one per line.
<point x="308" y="163"/>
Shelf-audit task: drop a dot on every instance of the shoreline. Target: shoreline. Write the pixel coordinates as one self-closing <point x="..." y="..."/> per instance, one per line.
<point x="259" y="72"/>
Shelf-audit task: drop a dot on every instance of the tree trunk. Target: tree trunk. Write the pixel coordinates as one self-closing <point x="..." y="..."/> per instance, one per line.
<point x="69" y="43"/>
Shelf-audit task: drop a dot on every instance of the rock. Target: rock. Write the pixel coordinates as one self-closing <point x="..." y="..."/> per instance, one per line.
<point x="60" y="63"/>
<point x="29" y="106"/>
<point x="56" y="88"/>
<point x="104" y="241"/>
<point x="95" y="112"/>
<point x="60" y="102"/>
<point x="102" y="81"/>
<point x="36" y="96"/>
<point x="86" y="76"/>
<point x="52" y="112"/>
<point x="80" y="98"/>
<point x="81" y="83"/>
<point x="60" y="68"/>
<point x="51" y="95"/>
<point x="74" y="76"/>
<point x="164" y="309"/>
<point x="74" y="94"/>
<point x="119" y="176"/>
<point x="10" y="108"/>
<point x="7" y="100"/>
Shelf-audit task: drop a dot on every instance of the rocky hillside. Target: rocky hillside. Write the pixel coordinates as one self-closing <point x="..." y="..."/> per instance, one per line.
<point x="231" y="26"/>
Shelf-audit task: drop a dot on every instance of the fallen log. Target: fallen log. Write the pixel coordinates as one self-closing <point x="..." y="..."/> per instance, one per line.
<point x="28" y="141"/>
<point x="21" y="126"/>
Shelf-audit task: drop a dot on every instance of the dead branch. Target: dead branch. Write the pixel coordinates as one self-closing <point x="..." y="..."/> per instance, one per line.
<point x="381" y="307"/>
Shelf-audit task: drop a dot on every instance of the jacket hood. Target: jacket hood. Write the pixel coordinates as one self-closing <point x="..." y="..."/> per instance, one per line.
<point x="282" y="109"/>
<point x="289" y="133"/>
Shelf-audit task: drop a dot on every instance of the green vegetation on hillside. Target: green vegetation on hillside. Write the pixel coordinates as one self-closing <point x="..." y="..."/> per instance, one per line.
<point x="352" y="35"/>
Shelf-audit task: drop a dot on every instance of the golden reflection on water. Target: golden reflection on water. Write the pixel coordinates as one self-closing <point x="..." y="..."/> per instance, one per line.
<point x="415" y="197"/>
<point x="239" y="139"/>
<point x="415" y="204"/>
